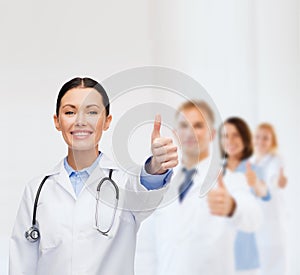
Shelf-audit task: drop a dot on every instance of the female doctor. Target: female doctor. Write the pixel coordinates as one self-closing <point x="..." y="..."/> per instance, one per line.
<point x="82" y="218"/>
<point x="271" y="238"/>
<point x="236" y="146"/>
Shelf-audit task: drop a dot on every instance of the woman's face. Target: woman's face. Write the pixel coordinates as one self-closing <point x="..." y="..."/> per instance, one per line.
<point x="263" y="141"/>
<point x="82" y="118"/>
<point x="231" y="141"/>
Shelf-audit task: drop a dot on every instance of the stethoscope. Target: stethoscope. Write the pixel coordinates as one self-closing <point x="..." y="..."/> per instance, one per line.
<point x="33" y="233"/>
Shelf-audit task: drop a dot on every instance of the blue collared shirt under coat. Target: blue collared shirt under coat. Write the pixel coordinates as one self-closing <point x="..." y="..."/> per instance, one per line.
<point x="78" y="178"/>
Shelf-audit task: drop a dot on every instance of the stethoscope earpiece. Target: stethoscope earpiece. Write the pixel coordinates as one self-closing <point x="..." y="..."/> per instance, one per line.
<point x="32" y="234"/>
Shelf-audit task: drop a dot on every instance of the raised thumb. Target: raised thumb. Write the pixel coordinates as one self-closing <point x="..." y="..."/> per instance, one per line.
<point x="248" y="166"/>
<point x="156" y="127"/>
<point x="221" y="182"/>
<point x="281" y="173"/>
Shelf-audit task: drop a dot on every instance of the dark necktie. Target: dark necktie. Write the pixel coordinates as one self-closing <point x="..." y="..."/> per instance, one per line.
<point x="187" y="183"/>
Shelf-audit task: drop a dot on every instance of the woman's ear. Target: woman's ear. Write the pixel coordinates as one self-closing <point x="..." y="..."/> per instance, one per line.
<point x="56" y="122"/>
<point x="107" y="122"/>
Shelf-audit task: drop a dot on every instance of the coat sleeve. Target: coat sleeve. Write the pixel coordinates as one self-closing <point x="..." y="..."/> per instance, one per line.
<point x="23" y="255"/>
<point x="140" y="201"/>
<point x="248" y="214"/>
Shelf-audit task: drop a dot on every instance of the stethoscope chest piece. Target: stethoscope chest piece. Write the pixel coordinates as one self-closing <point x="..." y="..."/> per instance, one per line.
<point x="32" y="234"/>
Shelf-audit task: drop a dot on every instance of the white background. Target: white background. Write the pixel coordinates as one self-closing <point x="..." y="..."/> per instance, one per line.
<point x="245" y="53"/>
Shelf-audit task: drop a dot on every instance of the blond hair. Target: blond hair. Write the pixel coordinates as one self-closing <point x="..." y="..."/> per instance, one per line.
<point x="202" y="107"/>
<point x="269" y="127"/>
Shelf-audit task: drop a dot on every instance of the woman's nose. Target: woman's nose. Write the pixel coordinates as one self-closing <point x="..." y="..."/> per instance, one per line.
<point x="81" y="119"/>
<point x="229" y="141"/>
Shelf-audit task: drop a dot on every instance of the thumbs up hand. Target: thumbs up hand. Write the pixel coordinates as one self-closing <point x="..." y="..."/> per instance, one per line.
<point x="258" y="186"/>
<point x="220" y="202"/>
<point x="250" y="175"/>
<point x="163" y="150"/>
<point x="282" y="180"/>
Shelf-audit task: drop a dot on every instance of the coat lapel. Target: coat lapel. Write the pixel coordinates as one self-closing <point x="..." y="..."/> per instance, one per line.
<point x="61" y="176"/>
<point x="100" y="172"/>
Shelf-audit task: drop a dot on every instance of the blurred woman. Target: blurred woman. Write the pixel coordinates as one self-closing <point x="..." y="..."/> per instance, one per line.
<point x="271" y="237"/>
<point x="237" y="148"/>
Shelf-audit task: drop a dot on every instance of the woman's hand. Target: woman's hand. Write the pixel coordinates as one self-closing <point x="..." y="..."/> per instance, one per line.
<point x="282" y="179"/>
<point x="164" y="152"/>
<point x="258" y="186"/>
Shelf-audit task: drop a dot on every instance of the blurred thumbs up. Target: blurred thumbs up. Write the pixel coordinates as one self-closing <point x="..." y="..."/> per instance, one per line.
<point x="220" y="202"/>
<point x="221" y="184"/>
<point x="282" y="180"/>
<point x="250" y="175"/>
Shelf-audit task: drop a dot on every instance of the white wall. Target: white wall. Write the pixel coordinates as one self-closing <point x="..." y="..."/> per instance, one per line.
<point x="278" y="65"/>
<point x="245" y="53"/>
<point x="213" y="42"/>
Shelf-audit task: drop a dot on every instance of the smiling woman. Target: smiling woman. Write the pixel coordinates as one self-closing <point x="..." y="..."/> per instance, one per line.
<point x="67" y="208"/>
<point x="82" y="118"/>
<point x="236" y="145"/>
<point x="271" y="238"/>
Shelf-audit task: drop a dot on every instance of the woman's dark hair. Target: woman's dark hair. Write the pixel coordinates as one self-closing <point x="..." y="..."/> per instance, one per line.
<point x="245" y="133"/>
<point x="83" y="83"/>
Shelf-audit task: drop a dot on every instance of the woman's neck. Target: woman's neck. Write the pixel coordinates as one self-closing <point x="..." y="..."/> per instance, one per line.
<point x="79" y="160"/>
<point x="233" y="163"/>
<point x="259" y="156"/>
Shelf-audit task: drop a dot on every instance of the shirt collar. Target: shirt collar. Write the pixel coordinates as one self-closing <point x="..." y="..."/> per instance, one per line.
<point x="88" y="170"/>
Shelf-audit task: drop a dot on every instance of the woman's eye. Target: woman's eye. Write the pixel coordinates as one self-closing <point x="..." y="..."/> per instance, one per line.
<point x="69" y="113"/>
<point x="93" y="112"/>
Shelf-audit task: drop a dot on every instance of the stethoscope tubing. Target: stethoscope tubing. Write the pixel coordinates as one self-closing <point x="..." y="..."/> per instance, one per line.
<point x="33" y="227"/>
<point x="105" y="233"/>
<point x="37" y="200"/>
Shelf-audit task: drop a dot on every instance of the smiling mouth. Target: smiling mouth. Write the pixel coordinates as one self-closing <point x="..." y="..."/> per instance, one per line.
<point x="231" y="149"/>
<point x="81" y="133"/>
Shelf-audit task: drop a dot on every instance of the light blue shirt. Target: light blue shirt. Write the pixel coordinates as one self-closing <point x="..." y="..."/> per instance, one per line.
<point x="78" y="178"/>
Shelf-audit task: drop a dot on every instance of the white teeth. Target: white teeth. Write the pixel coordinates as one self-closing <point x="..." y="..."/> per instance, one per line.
<point x="81" y="134"/>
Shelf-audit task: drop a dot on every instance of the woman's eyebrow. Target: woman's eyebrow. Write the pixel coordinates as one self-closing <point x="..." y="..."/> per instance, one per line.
<point x="73" y="106"/>
<point x="92" y="105"/>
<point x="69" y="105"/>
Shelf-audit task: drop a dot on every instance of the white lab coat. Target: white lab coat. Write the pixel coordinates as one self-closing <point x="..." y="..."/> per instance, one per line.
<point x="184" y="238"/>
<point x="69" y="243"/>
<point x="271" y="237"/>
